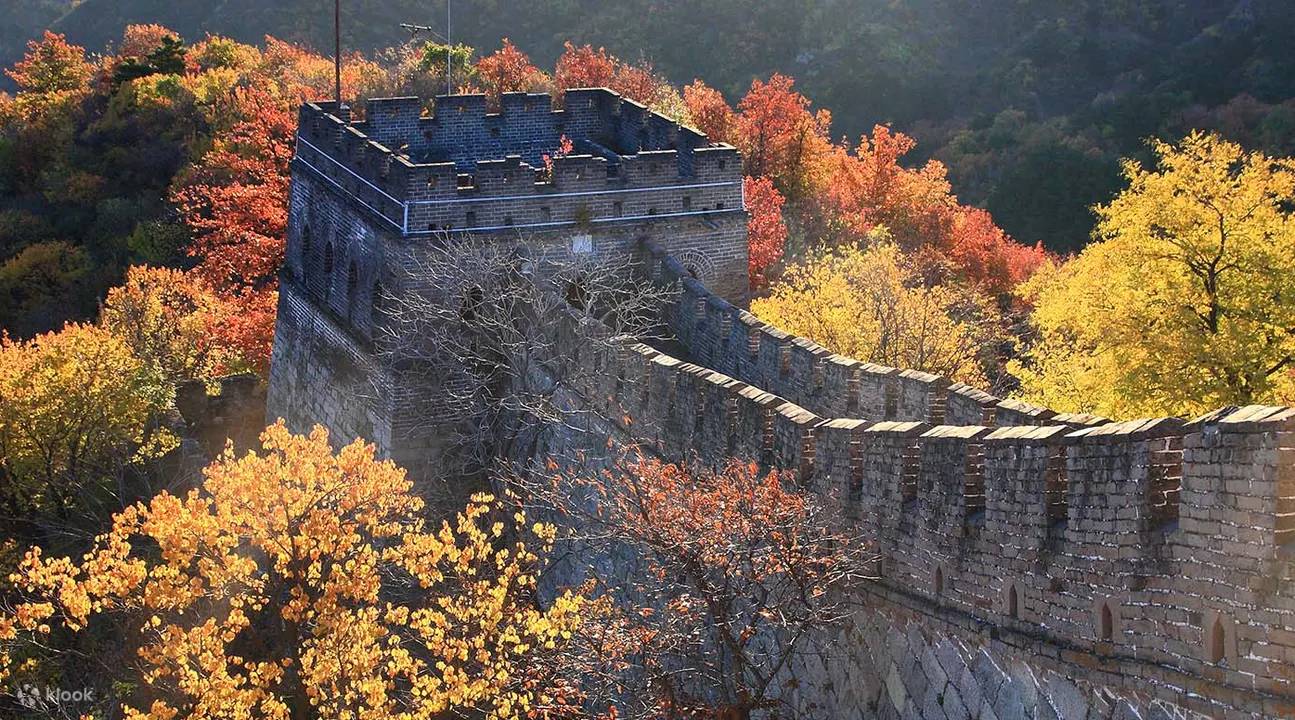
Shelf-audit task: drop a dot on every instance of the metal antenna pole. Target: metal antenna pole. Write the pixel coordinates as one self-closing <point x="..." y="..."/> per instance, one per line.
<point x="415" y="30"/>
<point x="449" y="50"/>
<point x="337" y="54"/>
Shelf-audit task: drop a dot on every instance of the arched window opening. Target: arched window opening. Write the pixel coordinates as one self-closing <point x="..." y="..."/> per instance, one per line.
<point x="577" y="295"/>
<point x="1013" y="604"/>
<point x="470" y="308"/>
<point x="1217" y="642"/>
<point x="939" y="581"/>
<point x="352" y="284"/>
<point x="1107" y="629"/>
<point x="328" y="269"/>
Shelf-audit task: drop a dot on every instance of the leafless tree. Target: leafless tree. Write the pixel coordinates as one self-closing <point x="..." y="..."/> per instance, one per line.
<point x="723" y="581"/>
<point x="489" y="334"/>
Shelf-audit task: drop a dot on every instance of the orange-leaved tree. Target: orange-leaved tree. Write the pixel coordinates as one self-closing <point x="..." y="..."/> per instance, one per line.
<point x="584" y="67"/>
<point x="780" y="137"/>
<point x="640" y="83"/>
<point x="983" y="254"/>
<point x="736" y="573"/>
<point x="508" y="70"/>
<point x="235" y="197"/>
<point x="53" y="74"/>
<point x="710" y="113"/>
<point x="295" y="74"/>
<point x="173" y="322"/>
<point x="138" y="41"/>
<point x="303" y="582"/>
<point x="53" y="79"/>
<point x="869" y="189"/>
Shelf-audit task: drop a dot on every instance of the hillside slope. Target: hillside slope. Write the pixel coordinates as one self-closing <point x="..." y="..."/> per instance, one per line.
<point x="1029" y="102"/>
<point x="23" y="20"/>
<point x="869" y="60"/>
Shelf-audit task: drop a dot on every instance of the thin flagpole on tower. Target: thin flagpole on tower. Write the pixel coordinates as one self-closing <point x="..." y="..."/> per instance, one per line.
<point x="449" y="50"/>
<point x="337" y="54"/>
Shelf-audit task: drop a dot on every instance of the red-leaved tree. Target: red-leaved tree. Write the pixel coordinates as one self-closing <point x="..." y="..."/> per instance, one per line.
<point x="235" y="197"/>
<point x="766" y="230"/>
<point x="780" y="137"/>
<point x="870" y="189"/>
<point x="507" y="70"/>
<point x="639" y="83"/>
<point x="235" y="200"/>
<point x="987" y="256"/>
<point x="710" y="113"/>
<point x="584" y="67"/>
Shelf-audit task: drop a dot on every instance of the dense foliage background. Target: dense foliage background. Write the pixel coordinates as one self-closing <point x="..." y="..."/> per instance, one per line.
<point x="1086" y="205"/>
<point x="1028" y="102"/>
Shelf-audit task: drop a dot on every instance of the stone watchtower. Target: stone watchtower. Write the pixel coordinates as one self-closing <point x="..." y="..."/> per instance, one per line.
<point x="365" y="191"/>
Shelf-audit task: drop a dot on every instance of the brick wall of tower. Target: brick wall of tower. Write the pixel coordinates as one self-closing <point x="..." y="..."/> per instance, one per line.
<point x="366" y="195"/>
<point x="633" y="176"/>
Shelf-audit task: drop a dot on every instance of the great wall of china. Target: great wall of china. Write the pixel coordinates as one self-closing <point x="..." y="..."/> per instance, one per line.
<point x="1033" y="564"/>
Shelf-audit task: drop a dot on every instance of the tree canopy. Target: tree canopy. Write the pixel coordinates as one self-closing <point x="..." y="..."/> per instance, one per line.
<point x="871" y="304"/>
<point x="302" y="579"/>
<point x="1186" y="302"/>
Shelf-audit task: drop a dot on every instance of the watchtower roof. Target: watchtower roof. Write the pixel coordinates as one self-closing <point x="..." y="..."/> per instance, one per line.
<point x="418" y="170"/>
<point x="465" y="130"/>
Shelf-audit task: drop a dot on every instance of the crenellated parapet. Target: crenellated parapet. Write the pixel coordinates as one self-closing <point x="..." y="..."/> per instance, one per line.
<point x="1158" y="547"/>
<point x="466" y="167"/>
<point x="1151" y="556"/>
<point x="1145" y="556"/>
<point x="720" y="335"/>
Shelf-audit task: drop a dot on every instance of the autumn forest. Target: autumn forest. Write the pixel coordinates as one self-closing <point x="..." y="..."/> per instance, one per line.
<point x="144" y="188"/>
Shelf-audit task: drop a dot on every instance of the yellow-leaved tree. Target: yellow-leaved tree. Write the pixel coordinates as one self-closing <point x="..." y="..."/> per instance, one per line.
<point x="871" y="304"/>
<point x="75" y="409"/>
<point x="169" y="319"/>
<point x="1186" y="302"/>
<point x="300" y="582"/>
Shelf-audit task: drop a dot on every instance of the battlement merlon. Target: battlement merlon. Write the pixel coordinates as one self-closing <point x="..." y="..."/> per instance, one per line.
<point x="465" y="168"/>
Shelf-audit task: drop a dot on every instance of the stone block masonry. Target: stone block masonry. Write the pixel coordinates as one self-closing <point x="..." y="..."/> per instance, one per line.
<point x="1033" y="564"/>
<point x="633" y="175"/>
<point x="367" y="195"/>
<point x="1060" y="565"/>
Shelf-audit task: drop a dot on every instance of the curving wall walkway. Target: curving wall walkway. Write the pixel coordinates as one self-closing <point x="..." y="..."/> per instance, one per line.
<point x="1033" y="564"/>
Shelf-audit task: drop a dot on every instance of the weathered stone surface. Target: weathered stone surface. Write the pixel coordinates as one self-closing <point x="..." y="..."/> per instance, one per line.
<point x="1034" y="565"/>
